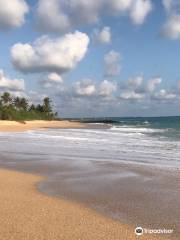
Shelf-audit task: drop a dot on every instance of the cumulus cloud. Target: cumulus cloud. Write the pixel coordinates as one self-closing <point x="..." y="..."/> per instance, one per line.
<point x="55" y="78"/>
<point x="139" y="85"/>
<point x="103" y="36"/>
<point x="119" y="6"/>
<point x="52" y="80"/>
<point x="87" y="95"/>
<point x="8" y="84"/>
<point x="50" y="16"/>
<point x="89" y="88"/>
<point x="171" y="28"/>
<point x="133" y="90"/>
<point x="85" y="88"/>
<point x="137" y="89"/>
<point x="135" y="82"/>
<point x="60" y="16"/>
<point x="131" y="95"/>
<point x="107" y="88"/>
<point x="153" y="83"/>
<point x="12" y="13"/>
<point x="112" y="63"/>
<point x="164" y="95"/>
<point x="52" y="55"/>
<point x="139" y="11"/>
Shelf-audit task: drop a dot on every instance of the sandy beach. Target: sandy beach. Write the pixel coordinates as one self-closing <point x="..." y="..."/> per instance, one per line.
<point x="89" y="120"/>
<point x="13" y="126"/>
<point x="27" y="214"/>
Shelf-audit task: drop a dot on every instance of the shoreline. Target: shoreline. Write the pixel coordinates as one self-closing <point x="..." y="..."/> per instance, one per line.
<point x="44" y="217"/>
<point x="15" y="126"/>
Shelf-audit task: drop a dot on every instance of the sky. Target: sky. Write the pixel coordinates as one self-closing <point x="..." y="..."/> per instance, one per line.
<point x="98" y="58"/>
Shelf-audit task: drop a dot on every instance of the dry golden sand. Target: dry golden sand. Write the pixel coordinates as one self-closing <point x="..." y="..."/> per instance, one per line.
<point x="13" y="126"/>
<point x="26" y="214"/>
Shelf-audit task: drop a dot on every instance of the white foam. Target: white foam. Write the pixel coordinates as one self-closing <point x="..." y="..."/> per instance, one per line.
<point x="136" y="129"/>
<point x="125" y="144"/>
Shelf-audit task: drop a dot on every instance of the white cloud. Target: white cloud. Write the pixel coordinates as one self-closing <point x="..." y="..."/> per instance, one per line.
<point x="152" y="83"/>
<point x="164" y="95"/>
<point x="103" y="36"/>
<point x="52" y="80"/>
<point x="131" y="95"/>
<point x="136" y="88"/>
<point x="88" y="95"/>
<point x="119" y="6"/>
<point x="85" y="88"/>
<point x="88" y="88"/>
<point x="171" y="28"/>
<point x="106" y="88"/>
<point x="112" y="63"/>
<point x="12" y="13"/>
<point x="55" y="78"/>
<point x="140" y="10"/>
<point x="50" y="16"/>
<point x="52" y="55"/>
<point x="7" y="84"/>
<point x="136" y="82"/>
<point x="60" y="16"/>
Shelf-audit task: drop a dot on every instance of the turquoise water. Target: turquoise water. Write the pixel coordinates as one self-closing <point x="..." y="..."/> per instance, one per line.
<point x="169" y="126"/>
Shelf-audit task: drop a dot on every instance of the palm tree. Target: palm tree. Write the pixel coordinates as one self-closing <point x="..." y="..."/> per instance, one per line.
<point x="6" y="99"/>
<point x="39" y="108"/>
<point x="17" y="108"/>
<point x="47" y="105"/>
<point x="32" y="107"/>
<point x="23" y="104"/>
<point x="17" y="102"/>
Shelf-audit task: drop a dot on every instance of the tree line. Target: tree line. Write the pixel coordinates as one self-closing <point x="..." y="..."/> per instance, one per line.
<point x="18" y="108"/>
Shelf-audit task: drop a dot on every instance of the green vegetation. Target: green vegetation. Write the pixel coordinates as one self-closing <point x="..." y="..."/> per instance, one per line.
<point x="18" y="109"/>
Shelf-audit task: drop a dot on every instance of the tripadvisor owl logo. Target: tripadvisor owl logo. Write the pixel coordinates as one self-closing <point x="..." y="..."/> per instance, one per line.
<point x="139" y="231"/>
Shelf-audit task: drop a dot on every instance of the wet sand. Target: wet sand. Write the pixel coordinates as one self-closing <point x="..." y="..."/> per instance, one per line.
<point x="13" y="126"/>
<point x="26" y="214"/>
<point x="138" y="197"/>
<point x="131" y="194"/>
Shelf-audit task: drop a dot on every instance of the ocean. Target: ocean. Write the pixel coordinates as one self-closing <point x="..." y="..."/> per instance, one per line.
<point x="152" y="141"/>
<point x="126" y="168"/>
<point x="168" y="126"/>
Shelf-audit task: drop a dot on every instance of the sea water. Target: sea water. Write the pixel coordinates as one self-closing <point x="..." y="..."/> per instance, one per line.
<point x="154" y="141"/>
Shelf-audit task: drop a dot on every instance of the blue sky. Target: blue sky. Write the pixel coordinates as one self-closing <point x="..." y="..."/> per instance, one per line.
<point x="122" y="56"/>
